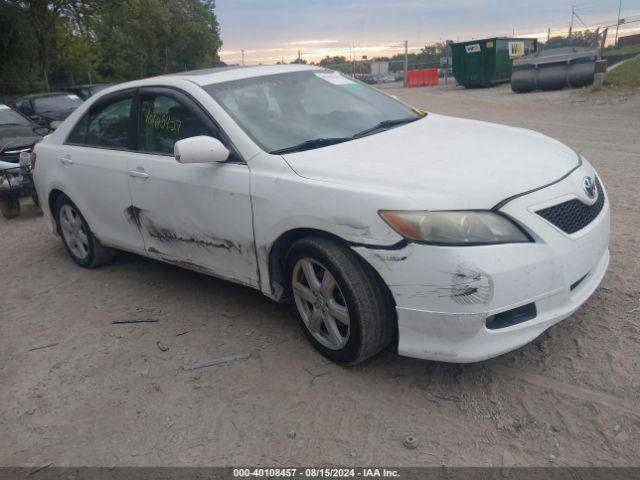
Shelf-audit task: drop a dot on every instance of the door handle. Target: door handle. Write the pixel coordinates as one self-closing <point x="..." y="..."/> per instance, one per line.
<point x="138" y="174"/>
<point x="66" y="161"/>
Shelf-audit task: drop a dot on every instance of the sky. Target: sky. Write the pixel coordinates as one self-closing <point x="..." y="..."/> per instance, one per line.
<point x="272" y="30"/>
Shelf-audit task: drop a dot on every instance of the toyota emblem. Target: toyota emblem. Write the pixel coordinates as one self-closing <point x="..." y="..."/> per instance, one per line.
<point x="589" y="187"/>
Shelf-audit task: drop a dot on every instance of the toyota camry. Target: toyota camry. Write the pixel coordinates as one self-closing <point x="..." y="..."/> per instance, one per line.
<point x="450" y="239"/>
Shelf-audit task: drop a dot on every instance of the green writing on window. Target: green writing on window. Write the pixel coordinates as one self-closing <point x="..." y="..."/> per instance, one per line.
<point x="162" y="122"/>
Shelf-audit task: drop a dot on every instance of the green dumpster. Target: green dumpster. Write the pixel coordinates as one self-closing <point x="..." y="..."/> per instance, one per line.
<point x="486" y="62"/>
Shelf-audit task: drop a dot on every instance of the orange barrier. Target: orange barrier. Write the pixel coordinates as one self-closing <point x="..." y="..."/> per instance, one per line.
<point x="422" y="78"/>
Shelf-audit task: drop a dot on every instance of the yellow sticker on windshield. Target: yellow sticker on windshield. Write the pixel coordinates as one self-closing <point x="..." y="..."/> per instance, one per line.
<point x="419" y="112"/>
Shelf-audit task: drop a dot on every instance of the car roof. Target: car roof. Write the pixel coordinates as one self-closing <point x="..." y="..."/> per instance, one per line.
<point x="208" y="76"/>
<point x="41" y="95"/>
<point x="90" y="85"/>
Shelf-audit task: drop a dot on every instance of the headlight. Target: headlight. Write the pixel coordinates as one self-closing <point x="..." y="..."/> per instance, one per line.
<point x="455" y="227"/>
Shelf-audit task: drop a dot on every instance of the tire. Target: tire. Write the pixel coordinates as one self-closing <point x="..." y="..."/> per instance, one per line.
<point x="78" y="239"/>
<point x="10" y="206"/>
<point x="370" y="322"/>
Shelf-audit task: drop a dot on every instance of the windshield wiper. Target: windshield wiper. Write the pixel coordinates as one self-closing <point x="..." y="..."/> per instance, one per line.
<point x="324" y="142"/>
<point x="311" y="144"/>
<point x="385" y="125"/>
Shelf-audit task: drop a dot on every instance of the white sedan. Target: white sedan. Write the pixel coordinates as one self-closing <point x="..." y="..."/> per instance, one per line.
<point x="455" y="240"/>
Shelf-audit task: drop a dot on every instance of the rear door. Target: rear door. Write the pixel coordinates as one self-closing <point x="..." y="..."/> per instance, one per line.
<point x="194" y="215"/>
<point x="95" y="158"/>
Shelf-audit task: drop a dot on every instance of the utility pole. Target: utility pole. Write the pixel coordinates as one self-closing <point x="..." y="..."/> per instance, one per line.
<point x="618" y="24"/>
<point x="353" y="60"/>
<point x="548" y="34"/>
<point x="299" y="56"/>
<point x="242" y="51"/>
<point x="573" y="12"/>
<point x="406" y="62"/>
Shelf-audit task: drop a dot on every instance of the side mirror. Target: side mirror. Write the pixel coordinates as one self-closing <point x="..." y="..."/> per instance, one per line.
<point x="200" y="149"/>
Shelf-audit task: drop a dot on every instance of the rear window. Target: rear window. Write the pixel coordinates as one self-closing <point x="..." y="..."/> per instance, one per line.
<point x="54" y="103"/>
<point x="106" y="125"/>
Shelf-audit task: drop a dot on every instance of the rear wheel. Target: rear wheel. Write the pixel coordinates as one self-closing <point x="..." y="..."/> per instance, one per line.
<point x="343" y="310"/>
<point x="78" y="239"/>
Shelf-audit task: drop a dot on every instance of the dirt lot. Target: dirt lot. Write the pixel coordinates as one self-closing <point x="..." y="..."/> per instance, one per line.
<point x="106" y="395"/>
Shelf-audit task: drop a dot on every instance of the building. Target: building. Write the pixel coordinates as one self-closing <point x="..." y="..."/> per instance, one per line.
<point x="629" y="40"/>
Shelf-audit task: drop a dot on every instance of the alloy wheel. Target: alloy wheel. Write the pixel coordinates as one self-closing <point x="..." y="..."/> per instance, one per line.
<point x="321" y="303"/>
<point x="73" y="232"/>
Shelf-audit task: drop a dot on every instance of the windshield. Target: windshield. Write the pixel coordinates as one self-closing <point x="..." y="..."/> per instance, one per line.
<point x="315" y="108"/>
<point x="11" y="117"/>
<point x="56" y="102"/>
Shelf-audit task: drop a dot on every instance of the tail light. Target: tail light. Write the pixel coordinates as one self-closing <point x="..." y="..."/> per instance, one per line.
<point x="33" y="160"/>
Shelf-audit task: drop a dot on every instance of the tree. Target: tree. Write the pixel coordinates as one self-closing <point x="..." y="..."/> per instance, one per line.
<point x="139" y="38"/>
<point x="329" y="61"/>
<point x="435" y="50"/>
<point x="67" y="41"/>
<point x="583" y="38"/>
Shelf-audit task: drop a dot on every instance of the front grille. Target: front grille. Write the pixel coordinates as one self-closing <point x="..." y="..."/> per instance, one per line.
<point x="573" y="215"/>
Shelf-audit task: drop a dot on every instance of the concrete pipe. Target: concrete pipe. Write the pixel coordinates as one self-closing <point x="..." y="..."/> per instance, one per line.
<point x="581" y="74"/>
<point x="552" y="76"/>
<point x="523" y="80"/>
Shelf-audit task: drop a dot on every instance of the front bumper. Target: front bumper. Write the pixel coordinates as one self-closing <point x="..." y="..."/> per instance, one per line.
<point x="464" y="338"/>
<point x="445" y="294"/>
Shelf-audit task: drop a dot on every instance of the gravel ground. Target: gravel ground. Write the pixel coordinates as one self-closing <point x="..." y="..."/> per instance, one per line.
<point x="106" y="395"/>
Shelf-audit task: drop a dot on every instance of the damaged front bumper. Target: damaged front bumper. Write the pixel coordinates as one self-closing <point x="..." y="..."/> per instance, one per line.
<point x="447" y="296"/>
<point x="464" y="337"/>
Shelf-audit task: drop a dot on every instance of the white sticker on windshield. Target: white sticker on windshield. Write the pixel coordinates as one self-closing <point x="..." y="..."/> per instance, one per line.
<point x="73" y="97"/>
<point x="4" y="107"/>
<point x="335" y="78"/>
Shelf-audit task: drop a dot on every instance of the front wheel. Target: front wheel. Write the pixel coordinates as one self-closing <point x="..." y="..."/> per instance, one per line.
<point x="343" y="310"/>
<point x="78" y="239"/>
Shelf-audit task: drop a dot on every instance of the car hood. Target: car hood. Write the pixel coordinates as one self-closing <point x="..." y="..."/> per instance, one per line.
<point x="13" y="132"/>
<point x="10" y="143"/>
<point x="443" y="162"/>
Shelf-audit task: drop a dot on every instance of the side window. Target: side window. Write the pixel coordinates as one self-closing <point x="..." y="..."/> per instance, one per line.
<point x="24" y="106"/>
<point x="106" y="125"/>
<point x="164" y="121"/>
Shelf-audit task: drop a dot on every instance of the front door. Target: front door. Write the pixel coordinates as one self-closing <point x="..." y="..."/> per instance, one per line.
<point x="194" y="215"/>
